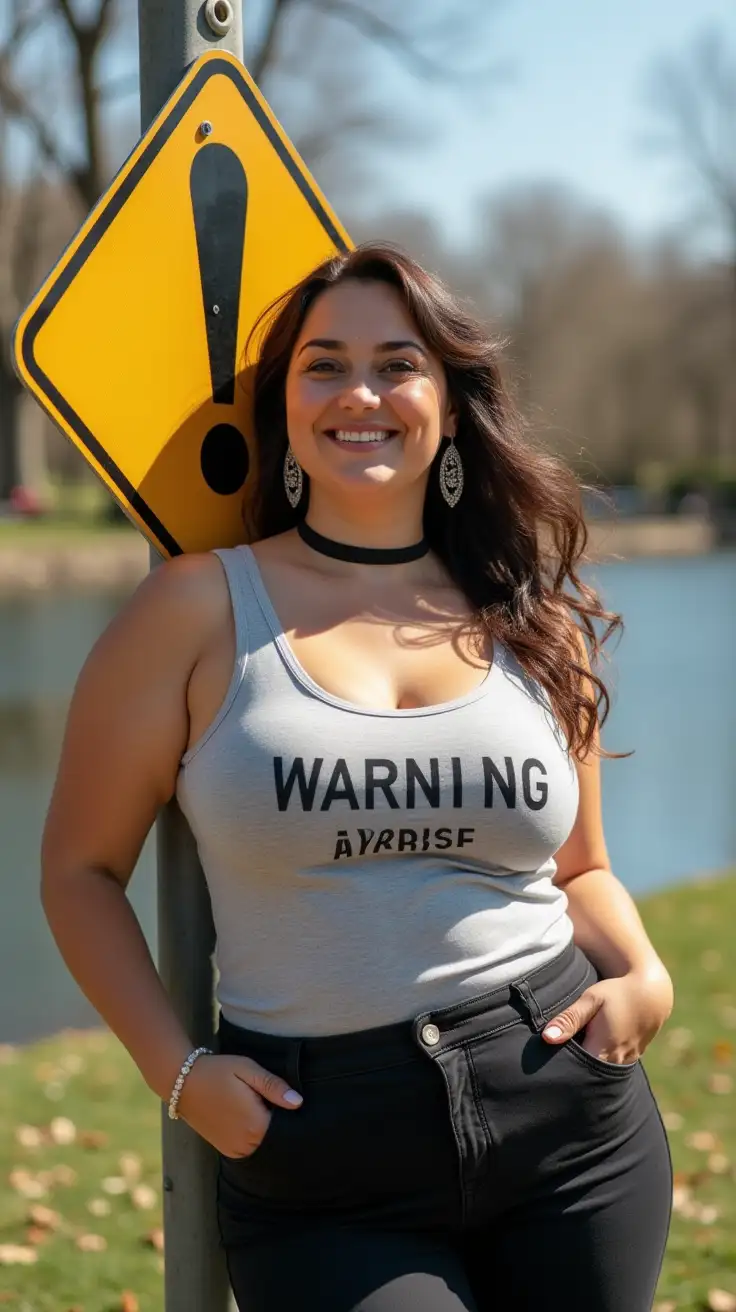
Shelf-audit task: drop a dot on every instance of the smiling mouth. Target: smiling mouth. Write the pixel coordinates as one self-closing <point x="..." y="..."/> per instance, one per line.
<point x="367" y="439"/>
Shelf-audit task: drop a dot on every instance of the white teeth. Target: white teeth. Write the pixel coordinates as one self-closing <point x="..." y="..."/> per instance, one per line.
<point x="349" y="435"/>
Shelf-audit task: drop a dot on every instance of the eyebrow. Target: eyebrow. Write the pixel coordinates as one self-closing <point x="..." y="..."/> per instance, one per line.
<point x="331" y="344"/>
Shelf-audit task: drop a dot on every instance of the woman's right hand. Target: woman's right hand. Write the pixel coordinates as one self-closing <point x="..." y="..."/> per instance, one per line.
<point x="225" y="1099"/>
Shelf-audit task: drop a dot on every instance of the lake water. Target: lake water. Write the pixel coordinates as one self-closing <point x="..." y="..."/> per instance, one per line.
<point x="668" y="810"/>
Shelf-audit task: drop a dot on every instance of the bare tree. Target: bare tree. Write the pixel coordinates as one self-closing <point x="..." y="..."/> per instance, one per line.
<point x="621" y="356"/>
<point x="692" y="100"/>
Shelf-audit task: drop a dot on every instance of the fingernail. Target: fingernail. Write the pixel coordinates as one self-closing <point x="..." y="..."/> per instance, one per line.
<point x="294" y="1098"/>
<point x="553" y="1032"/>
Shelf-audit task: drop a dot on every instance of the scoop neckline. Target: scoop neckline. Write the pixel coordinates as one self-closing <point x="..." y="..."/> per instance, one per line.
<point x="305" y="679"/>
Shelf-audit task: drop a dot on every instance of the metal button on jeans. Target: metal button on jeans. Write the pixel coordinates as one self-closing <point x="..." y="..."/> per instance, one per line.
<point x="430" y="1035"/>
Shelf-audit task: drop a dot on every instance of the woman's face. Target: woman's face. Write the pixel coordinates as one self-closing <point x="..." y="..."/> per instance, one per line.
<point x="366" y="401"/>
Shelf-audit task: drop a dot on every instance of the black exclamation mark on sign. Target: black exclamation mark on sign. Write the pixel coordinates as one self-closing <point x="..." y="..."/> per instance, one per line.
<point x="219" y="191"/>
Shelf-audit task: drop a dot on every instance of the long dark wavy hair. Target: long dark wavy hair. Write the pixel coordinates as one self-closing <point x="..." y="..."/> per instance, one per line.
<point x="515" y="541"/>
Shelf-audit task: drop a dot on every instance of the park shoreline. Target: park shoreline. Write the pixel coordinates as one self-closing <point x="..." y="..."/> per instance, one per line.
<point x="107" y="561"/>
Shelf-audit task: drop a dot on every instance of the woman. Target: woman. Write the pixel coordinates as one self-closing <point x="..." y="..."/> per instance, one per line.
<point x="382" y="723"/>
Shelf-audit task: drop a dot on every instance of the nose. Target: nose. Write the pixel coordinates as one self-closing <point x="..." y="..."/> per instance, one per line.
<point x="359" y="396"/>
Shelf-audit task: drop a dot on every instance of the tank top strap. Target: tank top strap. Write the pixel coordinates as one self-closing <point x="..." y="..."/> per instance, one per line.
<point x="254" y="633"/>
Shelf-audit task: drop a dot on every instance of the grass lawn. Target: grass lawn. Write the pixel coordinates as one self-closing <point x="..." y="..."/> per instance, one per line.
<point x="40" y="534"/>
<point x="79" y="1150"/>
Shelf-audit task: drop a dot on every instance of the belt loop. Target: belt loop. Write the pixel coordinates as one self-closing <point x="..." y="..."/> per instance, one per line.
<point x="534" y="1011"/>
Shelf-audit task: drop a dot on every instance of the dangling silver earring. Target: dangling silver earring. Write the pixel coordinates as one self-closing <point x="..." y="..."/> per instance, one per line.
<point x="451" y="475"/>
<point x="293" y="480"/>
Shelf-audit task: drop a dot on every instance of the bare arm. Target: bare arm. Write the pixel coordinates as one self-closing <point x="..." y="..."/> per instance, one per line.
<point x="606" y="922"/>
<point x="126" y="731"/>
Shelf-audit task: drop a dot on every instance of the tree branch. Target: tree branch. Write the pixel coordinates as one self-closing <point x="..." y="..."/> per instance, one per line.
<point x="695" y="99"/>
<point x="267" y="50"/>
<point x="89" y="33"/>
<point x="378" y="30"/>
<point x="383" y="33"/>
<point x="17" y="106"/>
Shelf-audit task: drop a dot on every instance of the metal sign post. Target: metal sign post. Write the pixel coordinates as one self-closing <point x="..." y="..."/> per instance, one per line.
<point x="172" y="33"/>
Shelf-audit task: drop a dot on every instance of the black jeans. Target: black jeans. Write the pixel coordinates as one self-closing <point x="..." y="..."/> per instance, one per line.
<point x="455" y="1161"/>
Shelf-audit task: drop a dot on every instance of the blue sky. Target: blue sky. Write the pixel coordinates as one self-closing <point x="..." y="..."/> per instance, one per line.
<point x="572" y="112"/>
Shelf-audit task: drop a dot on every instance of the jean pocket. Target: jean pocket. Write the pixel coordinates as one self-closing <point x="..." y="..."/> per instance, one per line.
<point x="613" y="1070"/>
<point x="264" y="1145"/>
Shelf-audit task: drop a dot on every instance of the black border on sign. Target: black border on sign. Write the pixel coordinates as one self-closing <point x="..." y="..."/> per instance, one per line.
<point x="98" y="229"/>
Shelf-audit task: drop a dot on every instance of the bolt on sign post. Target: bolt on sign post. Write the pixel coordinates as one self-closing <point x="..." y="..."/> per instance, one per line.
<point x="134" y="346"/>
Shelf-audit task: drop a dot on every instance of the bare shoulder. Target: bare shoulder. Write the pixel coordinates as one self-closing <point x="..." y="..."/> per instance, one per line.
<point x="177" y="606"/>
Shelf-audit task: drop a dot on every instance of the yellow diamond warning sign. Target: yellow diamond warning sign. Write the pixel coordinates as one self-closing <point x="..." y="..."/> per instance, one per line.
<point x="135" y="343"/>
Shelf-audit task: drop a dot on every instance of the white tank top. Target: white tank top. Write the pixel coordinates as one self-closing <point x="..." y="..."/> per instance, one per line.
<point x="365" y="866"/>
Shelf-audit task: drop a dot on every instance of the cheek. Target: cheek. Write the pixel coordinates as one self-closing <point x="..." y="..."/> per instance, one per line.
<point x="419" y="405"/>
<point x="303" y="400"/>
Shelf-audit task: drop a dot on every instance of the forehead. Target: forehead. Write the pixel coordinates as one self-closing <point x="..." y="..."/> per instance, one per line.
<point x="361" y="312"/>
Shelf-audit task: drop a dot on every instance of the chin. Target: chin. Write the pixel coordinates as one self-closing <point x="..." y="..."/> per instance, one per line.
<point x="367" y="478"/>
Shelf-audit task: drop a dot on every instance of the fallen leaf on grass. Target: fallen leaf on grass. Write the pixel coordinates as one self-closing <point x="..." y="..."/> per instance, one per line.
<point x="672" y="1120"/>
<point x="668" y="1306"/>
<point x="114" y="1184"/>
<point x="682" y="1202"/>
<point x="94" y="1139"/>
<point x="719" y="1300"/>
<point x="27" y="1185"/>
<point x="723" y="1051"/>
<point x="129" y="1302"/>
<point x="91" y="1243"/>
<point x="99" y="1207"/>
<point x="155" y="1239"/>
<point x="690" y="1209"/>
<point x="72" y="1063"/>
<point x="62" y="1130"/>
<point x="17" y="1255"/>
<point x="703" y="1141"/>
<point x="35" y="1235"/>
<point x="45" y="1217"/>
<point x="130" y="1167"/>
<point x="718" y="1082"/>
<point x="144" y="1197"/>
<point x="63" y="1174"/>
<point x="28" y="1136"/>
<point x="718" y="1163"/>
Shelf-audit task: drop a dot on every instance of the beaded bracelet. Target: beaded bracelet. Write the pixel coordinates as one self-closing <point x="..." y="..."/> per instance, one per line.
<point x="179" y="1082"/>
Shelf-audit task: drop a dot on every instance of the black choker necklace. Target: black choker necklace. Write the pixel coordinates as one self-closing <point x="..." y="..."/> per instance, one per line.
<point x="360" y="555"/>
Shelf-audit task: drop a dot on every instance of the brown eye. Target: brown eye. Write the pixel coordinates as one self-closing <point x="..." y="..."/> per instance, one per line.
<point x="321" y="366"/>
<point x="400" y="367"/>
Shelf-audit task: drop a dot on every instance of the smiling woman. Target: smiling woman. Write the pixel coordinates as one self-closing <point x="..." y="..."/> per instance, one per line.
<point x="381" y="721"/>
<point x="370" y="345"/>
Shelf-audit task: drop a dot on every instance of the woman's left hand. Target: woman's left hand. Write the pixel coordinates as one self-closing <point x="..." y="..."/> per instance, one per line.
<point x="620" y="1016"/>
